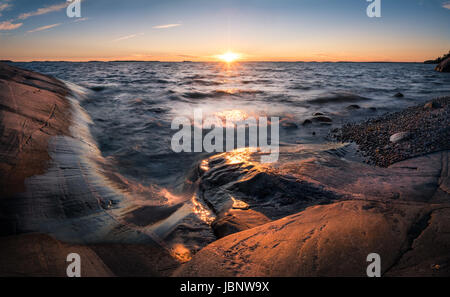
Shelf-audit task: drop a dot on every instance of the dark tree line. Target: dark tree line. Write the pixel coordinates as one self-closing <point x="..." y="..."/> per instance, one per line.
<point x="438" y="60"/>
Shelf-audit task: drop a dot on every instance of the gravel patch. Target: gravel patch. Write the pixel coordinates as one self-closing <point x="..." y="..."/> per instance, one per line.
<point x="420" y="130"/>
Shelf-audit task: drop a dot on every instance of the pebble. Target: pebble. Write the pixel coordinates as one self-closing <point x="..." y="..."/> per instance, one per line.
<point x="397" y="137"/>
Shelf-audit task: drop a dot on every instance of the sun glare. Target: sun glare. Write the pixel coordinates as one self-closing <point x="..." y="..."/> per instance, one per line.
<point x="229" y="57"/>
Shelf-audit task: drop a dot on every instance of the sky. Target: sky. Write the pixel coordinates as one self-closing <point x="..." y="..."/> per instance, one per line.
<point x="199" y="30"/>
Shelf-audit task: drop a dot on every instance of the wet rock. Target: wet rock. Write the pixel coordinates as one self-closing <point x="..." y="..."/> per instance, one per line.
<point x="399" y="95"/>
<point x="307" y="122"/>
<point x="97" y="88"/>
<point x="353" y="106"/>
<point x="397" y="137"/>
<point x="323" y="119"/>
<point x="246" y="185"/>
<point x="147" y="215"/>
<point x="318" y="114"/>
<point x="432" y="105"/>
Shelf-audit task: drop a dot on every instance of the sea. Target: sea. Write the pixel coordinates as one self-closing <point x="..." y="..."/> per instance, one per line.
<point x="132" y="104"/>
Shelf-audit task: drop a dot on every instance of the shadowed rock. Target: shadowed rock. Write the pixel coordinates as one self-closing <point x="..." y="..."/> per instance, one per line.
<point x="41" y="255"/>
<point x="444" y="66"/>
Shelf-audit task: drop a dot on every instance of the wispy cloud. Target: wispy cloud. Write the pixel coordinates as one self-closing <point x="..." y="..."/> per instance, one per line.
<point x="7" y="25"/>
<point x="43" y="28"/>
<point x="43" y="10"/>
<point x="167" y="26"/>
<point x="446" y="4"/>
<point x="77" y="20"/>
<point x="128" y="37"/>
<point x="4" y="6"/>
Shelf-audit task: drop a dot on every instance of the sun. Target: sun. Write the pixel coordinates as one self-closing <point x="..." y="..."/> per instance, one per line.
<point x="229" y="57"/>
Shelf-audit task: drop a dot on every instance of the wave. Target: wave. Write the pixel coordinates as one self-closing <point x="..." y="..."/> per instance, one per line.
<point x="257" y="81"/>
<point x="221" y="93"/>
<point x="337" y="97"/>
<point x="201" y="82"/>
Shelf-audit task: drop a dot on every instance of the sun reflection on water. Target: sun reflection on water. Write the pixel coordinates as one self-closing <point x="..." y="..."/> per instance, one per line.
<point x="204" y="165"/>
<point x="233" y="115"/>
<point x="201" y="211"/>
<point x="238" y="156"/>
<point x="238" y="204"/>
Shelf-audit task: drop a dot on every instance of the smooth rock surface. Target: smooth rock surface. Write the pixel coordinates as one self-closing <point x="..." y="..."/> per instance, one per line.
<point x="397" y="137"/>
<point x="55" y="183"/>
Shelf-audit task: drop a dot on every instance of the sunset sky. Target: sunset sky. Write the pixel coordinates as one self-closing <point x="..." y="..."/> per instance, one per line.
<point x="199" y="30"/>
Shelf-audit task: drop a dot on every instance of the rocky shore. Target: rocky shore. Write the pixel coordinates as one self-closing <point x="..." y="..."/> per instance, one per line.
<point x="313" y="213"/>
<point x="399" y="136"/>
<point x="317" y="213"/>
<point x="57" y="194"/>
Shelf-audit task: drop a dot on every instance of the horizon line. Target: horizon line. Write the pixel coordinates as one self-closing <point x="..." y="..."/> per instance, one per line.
<point x="201" y="61"/>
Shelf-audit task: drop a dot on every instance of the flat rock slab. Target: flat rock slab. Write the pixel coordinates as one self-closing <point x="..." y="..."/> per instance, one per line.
<point x="32" y="109"/>
<point x="333" y="240"/>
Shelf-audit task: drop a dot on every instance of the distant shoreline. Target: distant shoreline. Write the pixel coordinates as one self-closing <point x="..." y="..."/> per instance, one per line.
<point x="218" y="62"/>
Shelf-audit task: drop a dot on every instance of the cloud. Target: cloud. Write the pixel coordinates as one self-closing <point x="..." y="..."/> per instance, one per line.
<point x="446" y="5"/>
<point x="43" y="28"/>
<point x="167" y="26"/>
<point x="4" y="6"/>
<point x="7" y="25"/>
<point x="80" y="20"/>
<point x="128" y="37"/>
<point x="43" y="10"/>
